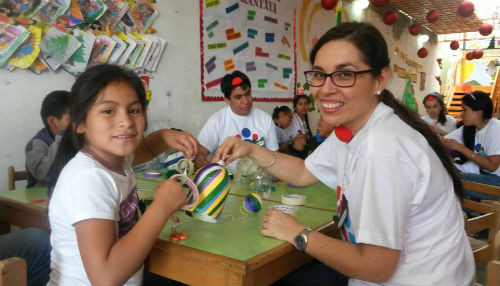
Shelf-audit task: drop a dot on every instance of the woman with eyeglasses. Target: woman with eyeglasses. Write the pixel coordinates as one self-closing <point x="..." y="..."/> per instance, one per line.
<point x="437" y="118"/>
<point x="398" y="194"/>
<point x="477" y="141"/>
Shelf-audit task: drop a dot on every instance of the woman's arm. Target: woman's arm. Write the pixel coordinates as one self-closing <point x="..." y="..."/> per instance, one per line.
<point x="112" y="261"/>
<point x="489" y="163"/>
<point x="285" y="167"/>
<point x="157" y="142"/>
<point x="364" y="261"/>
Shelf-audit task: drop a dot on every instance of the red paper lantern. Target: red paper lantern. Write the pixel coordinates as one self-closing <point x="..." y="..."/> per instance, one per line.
<point x="469" y="56"/>
<point x="454" y="45"/>
<point x="432" y="16"/>
<point x="414" y="29"/>
<point x="477" y="53"/>
<point x="390" y="17"/>
<point x="465" y="9"/>
<point x="422" y="53"/>
<point x="328" y="4"/>
<point x="485" y="29"/>
<point x="379" y="3"/>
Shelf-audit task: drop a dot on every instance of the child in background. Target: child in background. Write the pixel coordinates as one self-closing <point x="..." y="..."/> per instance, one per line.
<point x="437" y="119"/>
<point x="282" y="117"/>
<point x="96" y="236"/>
<point x="42" y="148"/>
<point x="324" y="130"/>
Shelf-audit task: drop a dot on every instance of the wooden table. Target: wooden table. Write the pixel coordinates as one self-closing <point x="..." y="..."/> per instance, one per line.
<point x="230" y="252"/>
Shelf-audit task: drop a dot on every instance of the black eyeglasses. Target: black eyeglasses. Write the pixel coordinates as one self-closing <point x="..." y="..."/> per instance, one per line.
<point x="339" y="78"/>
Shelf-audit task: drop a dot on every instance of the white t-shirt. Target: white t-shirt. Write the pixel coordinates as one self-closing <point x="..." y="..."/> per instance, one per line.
<point x="256" y="127"/>
<point x="287" y="134"/>
<point x="87" y="190"/>
<point x="486" y="143"/>
<point x="400" y="197"/>
<point x="448" y="126"/>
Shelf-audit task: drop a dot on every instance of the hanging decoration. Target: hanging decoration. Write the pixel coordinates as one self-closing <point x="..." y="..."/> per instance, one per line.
<point x="465" y="9"/>
<point x="409" y="96"/>
<point x="390" y="17"/>
<point x="454" y="45"/>
<point x="379" y="3"/>
<point x="477" y="53"/>
<point x="432" y="16"/>
<point x="328" y="4"/>
<point x="422" y="53"/>
<point x="414" y="29"/>
<point x="485" y="29"/>
<point x="469" y="56"/>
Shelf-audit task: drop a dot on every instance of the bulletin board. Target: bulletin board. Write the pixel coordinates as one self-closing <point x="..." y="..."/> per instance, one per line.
<point x="255" y="37"/>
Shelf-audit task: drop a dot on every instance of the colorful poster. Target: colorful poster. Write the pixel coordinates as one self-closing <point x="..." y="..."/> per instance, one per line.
<point x="91" y="9"/>
<point x="11" y="37"/>
<point x="143" y="13"/>
<point x="101" y="52"/>
<point x="114" y="13"/>
<point x="254" y="37"/>
<point x="27" y="53"/>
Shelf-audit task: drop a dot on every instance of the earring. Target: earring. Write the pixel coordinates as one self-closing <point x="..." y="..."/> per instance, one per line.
<point x="378" y="92"/>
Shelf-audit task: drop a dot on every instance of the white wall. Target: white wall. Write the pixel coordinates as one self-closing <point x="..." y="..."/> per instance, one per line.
<point x="176" y="100"/>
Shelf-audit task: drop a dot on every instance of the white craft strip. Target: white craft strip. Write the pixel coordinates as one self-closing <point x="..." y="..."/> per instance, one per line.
<point x="293" y="199"/>
<point x="286" y="209"/>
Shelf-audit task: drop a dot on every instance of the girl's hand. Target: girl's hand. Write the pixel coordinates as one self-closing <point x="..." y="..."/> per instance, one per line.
<point x="299" y="142"/>
<point x="280" y="225"/>
<point x="182" y="141"/>
<point x="453" y="144"/>
<point x="231" y="149"/>
<point x="170" y="193"/>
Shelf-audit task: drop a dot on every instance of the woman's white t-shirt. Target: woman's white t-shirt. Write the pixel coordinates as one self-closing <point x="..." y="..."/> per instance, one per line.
<point x="88" y="190"/>
<point x="399" y="196"/>
<point x="448" y="126"/>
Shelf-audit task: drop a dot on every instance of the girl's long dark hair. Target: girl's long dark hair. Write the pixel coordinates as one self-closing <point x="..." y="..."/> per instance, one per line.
<point x="306" y="117"/>
<point x="477" y="100"/>
<point x="84" y="94"/>
<point x="443" y="111"/>
<point x="373" y="48"/>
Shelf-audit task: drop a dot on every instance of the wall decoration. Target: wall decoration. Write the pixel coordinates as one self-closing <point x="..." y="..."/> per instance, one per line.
<point x="57" y="47"/>
<point x="422" y="80"/>
<point x="11" y="37"/>
<point x="143" y="13"/>
<point x="254" y="38"/>
<point x="27" y="53"/>
<point x="77" y="63"/>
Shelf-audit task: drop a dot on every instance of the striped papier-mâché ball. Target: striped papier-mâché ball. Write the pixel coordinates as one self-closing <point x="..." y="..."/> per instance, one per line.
<point x="213" y="183"/>
<point x="252" y="203"/>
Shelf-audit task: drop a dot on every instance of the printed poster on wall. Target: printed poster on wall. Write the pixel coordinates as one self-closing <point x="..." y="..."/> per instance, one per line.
<point x="255" y="37"/>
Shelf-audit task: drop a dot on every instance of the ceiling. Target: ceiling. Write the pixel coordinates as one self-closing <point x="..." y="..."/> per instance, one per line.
<point x="449" y="22"/>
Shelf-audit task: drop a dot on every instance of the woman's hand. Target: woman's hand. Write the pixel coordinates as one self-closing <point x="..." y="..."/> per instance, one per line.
<point x="231" y="149"/>
<point x="170" y="194"/>
<point x="299" y="142"/>
<point x="182" y="141"/>
<point x="280" y="225"/>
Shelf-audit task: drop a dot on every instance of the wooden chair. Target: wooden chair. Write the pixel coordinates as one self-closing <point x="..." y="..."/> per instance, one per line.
<point x="14" y="176"/>
<point x="13" y="271"/>
<point x="493" y="267"/>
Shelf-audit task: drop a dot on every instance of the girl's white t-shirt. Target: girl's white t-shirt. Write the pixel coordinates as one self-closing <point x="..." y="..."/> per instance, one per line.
<point x="448" y="126"/>
<point x="399" y="196"/>
<point x="88" y="190"/>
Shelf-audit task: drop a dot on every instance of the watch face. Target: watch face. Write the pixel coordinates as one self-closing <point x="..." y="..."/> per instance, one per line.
<point x="300" y="242"/>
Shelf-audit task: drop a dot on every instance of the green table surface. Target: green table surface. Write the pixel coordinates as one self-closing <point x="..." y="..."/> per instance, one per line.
<point x="27" y="195"/>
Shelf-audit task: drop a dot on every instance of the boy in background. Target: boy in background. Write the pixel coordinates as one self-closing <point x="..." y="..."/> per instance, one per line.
<point x="42" y="148"/>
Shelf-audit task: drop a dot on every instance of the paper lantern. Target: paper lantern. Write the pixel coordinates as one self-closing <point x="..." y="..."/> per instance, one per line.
<point x="328" y="4"/>
<point x="422" y="53"/>
<point x="432" y="16"/>
<point x="390" y="17"/>
<point x="465" y="9"/>
<point x="477" y="53"/>
<point x="414" y="29"/>
<point x="469" y="56"/>
<point x="454" y="45"/>
<point x="213" y="183"/>
<point x="379" y="3"/>
<point x="485" y="29"/>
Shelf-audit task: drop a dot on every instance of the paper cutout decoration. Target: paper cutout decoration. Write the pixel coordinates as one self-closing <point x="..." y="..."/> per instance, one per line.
<point x="101" y="52"/>
<point x="409" y="96"/>
<point x="38" y="66"/>
<point x="20" y="7"/>
<point x="52" y="10"/>
<point x="74" y="15"/>
<point x="120" y="47"/>
<point x="77" y="63"/>
<point x="143" y="13"/>
<point x="91" y="9"/>
<point x="136" y="53"/>
<point x="57" y="47"/>
<point x="27" y="53"/>
<point x="11" y="37"/>
<point x="131" y="45"/>
<point x="114" y="13"/>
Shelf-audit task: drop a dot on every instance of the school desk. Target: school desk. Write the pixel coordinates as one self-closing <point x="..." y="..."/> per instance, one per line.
<point x="230" y="252"/>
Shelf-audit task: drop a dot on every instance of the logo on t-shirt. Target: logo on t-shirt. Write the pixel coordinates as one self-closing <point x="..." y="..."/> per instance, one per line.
<point x="247" y="136"/>
<point x="480" y="150"/>
<point x="128" y="213"/>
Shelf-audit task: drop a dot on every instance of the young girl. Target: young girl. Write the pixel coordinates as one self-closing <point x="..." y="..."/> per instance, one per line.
<point x="96" y="236"/>
<point x="282" y="117"/>
<point x="300" y="117"/>
<point x="437" y="119"/>
<point x="478" y="140"/>
<point x="398" y="194"/>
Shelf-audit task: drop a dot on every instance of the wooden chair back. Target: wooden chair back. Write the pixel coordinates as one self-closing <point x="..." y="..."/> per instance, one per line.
<point x="13" y="271"/>
<point x="14" y="176"/>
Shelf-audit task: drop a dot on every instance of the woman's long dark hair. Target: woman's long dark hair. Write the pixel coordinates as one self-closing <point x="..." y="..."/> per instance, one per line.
<point x="84" y="94"/>
<point x="373" y="48"/>
<point x="306" y="117"/>
<point x="477" y="100"/>
<point x="439" y="98"/>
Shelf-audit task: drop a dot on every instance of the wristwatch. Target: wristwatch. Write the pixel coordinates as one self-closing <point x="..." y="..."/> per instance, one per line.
<point x="300" y="240"/>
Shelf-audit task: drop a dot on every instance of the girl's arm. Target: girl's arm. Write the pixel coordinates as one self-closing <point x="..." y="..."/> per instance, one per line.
<point x="489" y="163"/>
<point x="157" y="142"/>
<point x="364" y="261"/>
<point x="285" y="167"/>
<point x="112" y="261"/>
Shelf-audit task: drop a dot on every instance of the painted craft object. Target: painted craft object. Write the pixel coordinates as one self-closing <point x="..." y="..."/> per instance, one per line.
<point x="213" y="183"/>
